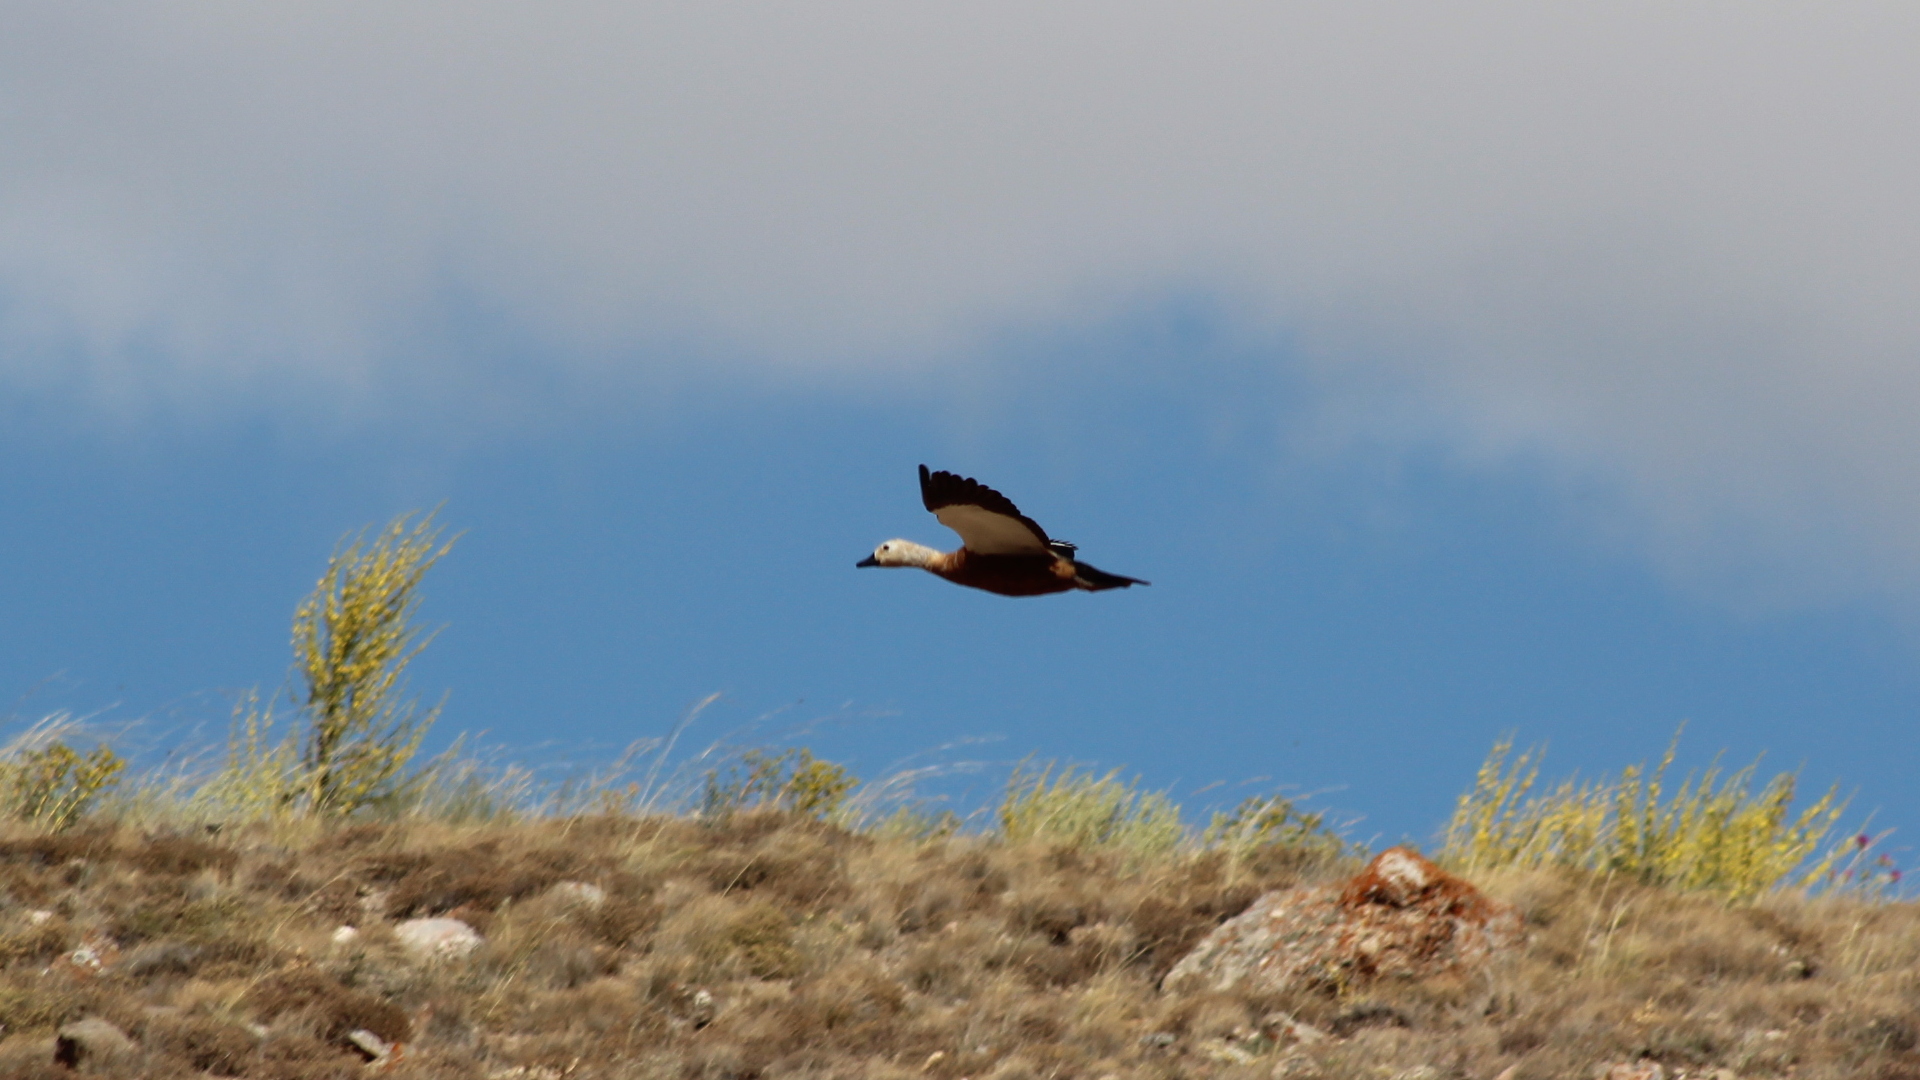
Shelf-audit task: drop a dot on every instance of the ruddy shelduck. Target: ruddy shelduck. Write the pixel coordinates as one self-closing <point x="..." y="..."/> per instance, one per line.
<point x="1001" y="550"/>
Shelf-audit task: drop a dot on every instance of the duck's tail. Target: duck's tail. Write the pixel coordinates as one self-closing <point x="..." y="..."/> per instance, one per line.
<point x="1094" y="579"/>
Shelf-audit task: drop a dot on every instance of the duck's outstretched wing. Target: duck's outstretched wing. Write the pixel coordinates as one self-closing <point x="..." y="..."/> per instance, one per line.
<point x="987" y="521"/>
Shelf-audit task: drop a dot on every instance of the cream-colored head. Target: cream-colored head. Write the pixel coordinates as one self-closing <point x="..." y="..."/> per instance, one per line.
<point x="899" y="553"/>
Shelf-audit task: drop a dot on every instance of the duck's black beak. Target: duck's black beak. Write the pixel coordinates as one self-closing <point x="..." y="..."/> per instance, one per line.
<point x="868" y="561"/>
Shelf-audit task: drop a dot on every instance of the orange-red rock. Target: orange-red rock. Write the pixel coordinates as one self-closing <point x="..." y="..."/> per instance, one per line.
<point x="1401" y="917"/>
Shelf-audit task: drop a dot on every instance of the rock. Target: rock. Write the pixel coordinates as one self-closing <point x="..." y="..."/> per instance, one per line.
<point x="382" y="1056"/>
<point x="39" y="918"/>
<point x="373" y="1046"/>
<point x="1401" y="917"/>
<point x="579" y="894"/>
<point x="1632" y="1070"/>
<point x="345" y="935"/>
<point x="704" y="1009"/>
<point x="437" y="939"/>
<point x="90" y="1041"/>
<point x="96" y="953"/>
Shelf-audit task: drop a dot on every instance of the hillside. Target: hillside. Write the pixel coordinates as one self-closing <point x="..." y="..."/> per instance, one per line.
<point x="770" y="944"/>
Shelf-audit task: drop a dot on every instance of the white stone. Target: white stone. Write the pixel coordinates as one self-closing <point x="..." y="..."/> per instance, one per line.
<point x="38" y="917"/>
<point x="581" y="893"/>
<point x="1402" y="871"/>
<point x="370" y="1044"/>
<point x="437" y="939"/>
<point x="346" y="935"/>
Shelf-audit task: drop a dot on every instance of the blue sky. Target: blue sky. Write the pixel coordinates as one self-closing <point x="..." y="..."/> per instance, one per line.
<point x="1522" y="371"/>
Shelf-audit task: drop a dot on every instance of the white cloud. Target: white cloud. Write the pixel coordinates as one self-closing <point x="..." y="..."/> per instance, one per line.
<point x="1674" y="248"/>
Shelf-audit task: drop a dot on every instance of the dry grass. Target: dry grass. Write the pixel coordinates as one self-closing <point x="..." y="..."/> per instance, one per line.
<point x="1078" y="809"/>
<point x="771" y="944"/>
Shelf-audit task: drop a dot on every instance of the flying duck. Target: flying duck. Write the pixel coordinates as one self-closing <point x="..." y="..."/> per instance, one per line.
<point x="1002" y="550"/>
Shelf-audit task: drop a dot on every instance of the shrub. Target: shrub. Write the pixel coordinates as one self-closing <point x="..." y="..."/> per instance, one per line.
<point x="353" y="638"/>
<point x="1266" y="820"/>
<point x="1714" y="834"/>
<point x="793" y="780"/>
<point x="1080" y="810"/>
<point x="54" y="784"/>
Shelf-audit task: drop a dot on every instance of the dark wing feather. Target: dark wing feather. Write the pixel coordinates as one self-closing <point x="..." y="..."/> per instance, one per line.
<point x="987" y="521"/>
<point x="1095" y="579"/>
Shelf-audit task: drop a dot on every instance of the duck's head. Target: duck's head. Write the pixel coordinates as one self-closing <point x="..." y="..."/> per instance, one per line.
<point x="899" y="553"/>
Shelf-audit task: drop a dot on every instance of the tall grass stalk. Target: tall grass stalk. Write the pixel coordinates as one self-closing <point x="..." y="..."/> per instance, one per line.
<point x="1081" y="810"/>
<point x="653" y="789"/>
<point x="262" y="778"/>
<point x="893" y="805"/>
<point x="460" y="788"/>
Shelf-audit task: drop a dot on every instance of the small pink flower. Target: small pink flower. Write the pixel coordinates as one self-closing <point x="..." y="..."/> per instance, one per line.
<point x="1894" y="876"/>
<point x="1863" y="839"/>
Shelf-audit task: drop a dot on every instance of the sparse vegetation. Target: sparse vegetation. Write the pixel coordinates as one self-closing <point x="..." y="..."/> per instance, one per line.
<point x="1714" y="834"/>
<point x="767" y="943"/>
